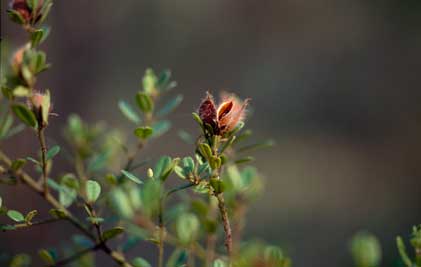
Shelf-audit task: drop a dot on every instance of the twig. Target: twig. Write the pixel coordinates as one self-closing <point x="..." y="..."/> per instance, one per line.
<point x="41" y="139"/>
<point x="27" y="225"/>
<point x="225" y="220"/>
<point x="75" y="256"/>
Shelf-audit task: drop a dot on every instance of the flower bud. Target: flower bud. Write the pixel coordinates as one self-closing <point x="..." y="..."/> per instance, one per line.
<point x="224" y="118"/>
<point x="17" y="60"/>
<point x="149" y="173"/>
<point x="207" y="111"/>
<point x="41" y="106"/>
<point x="30" y="15"/>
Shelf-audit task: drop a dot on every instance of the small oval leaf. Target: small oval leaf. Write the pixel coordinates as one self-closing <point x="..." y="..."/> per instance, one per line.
<point x="25" y="115"/>
<point x="131" y="176"/>
<point x="128" y="111"/>
<point x="15" y="215"/>
<point x="93" y="190"/>
<point x="52" y="152"/>
<point x="111" y="233"/>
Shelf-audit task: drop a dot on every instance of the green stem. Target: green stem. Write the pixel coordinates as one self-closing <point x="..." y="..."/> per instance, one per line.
<point x="161" y="235"/>
<point x="27" y="225"/>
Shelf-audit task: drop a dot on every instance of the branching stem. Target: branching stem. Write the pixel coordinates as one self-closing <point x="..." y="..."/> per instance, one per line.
<point x="31" y="183"/>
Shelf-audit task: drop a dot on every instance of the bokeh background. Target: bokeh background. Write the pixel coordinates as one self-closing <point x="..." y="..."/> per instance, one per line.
<point x="336" y="84"/>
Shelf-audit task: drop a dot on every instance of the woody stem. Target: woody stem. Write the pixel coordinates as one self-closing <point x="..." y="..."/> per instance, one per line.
<point x="41" y="139"/>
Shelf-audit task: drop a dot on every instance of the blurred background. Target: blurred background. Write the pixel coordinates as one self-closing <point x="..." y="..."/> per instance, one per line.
<point x="336" y="84"/>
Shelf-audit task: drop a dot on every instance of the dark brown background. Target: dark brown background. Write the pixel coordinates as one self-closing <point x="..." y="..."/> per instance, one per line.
<point x="335" y="83"/>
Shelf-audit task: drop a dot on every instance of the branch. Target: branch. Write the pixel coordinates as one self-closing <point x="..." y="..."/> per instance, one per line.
<point x="76" y="256"/>
<point x="28" y="180"/>
<point x="41" y="139"/>
<point x="225" y="220"/>
<point x="27" y="225"/>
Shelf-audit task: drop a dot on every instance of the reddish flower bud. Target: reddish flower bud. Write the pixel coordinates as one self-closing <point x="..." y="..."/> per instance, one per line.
<point x="36" y="100"/>
<point x="29" y="15"/>
<point x="228" y="114"/>
<point x="17" y="60"/>
<point x="207" y="111"/>
<point x="41" y="106"/>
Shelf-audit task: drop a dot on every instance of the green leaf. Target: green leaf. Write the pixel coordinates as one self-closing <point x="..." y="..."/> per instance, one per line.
<point x="57" y="213"/>
<point x="111" y="233"/>
<point x="217" y="185"/>
<point x="178" y="258"/>
<point x="273" y="254"/>
<point x="244" y="160"/>
<point x="366" y="250"/>
<point x="143" y="132"/>
<point x="402" y="252"/>
<point x="39" y="36"/>
<point x="69" y="180"/>
<point x="7" y="227"/>
<point x="131" y="176"/>
<point x="206" y="151"/>
<point x="36" y="37"/>
<point x="93" y="190"/>
<point x="144" y="102"/>
<point x="15" y="130"/>
<point x="197" y="118"/>
<point x="140" y="262"/>
<point x="128" y="112"/>
<point x="17" y="164"/>
<point x="187" y="227"/>
<point x="15" y="16"/>
<point x="46" y="256"/>
<point x="15" y="215"/>
<point x="186" y="137"/>
<point x="149" y="82"/>
<point x="180" y="172"/>
<point x="151" y="194"/>
<point x="52" y="152"/>
<point x="170" y="106"/>
<point x="67" y="196"/>
<point x="219" y="263"/>
<point x="98" y="162"/>
<point x="121" y="203"/>
<point x="33" y="160"/>
<point x="264" y="144"/>
<point x="20" y="260"/>
<point x="227" y="144"/>
<point x="39" y="63"/>
<point x="45" y="11"/>
<point x="163" y="168"/>
<point x="164" y="80"/>
<point x="160" y="127"/>
<point x="95" y="220"/>
<point x="25" y="115"/>
<point x="188" y="164"/>
<point x="82" y="241"/>
<point x="21" y="91"/>
<point x="5" y="125"/>
<point x="30" y="215"/>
